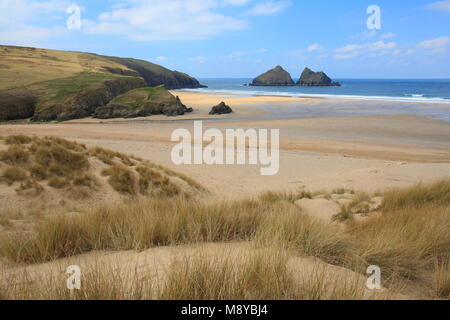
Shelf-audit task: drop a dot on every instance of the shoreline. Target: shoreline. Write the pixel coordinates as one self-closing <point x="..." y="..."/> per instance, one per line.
<point x="408" y="99"/>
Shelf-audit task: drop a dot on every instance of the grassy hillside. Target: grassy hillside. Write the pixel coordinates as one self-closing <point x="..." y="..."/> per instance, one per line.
<point x="68" y="85"/>
<point x="156" y="75"/>
<point x="20" y="66"/>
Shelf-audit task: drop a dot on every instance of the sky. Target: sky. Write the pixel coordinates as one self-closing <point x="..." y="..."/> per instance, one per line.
<point x="243" y="38"/>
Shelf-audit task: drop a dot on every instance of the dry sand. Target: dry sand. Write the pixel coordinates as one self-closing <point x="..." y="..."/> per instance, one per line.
<point x="366" y="152"/>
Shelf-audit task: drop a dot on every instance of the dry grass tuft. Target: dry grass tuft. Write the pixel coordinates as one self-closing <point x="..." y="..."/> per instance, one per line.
<point x="13" y="174"/>
<point x="68" y="160"/>
<point x="261" y="276"/>
<point x="342" y="191"/>
<point x="289" y="229"/>
<point x="30" y="188"/>
<point x="441" y="279"/>
<point x="109" y="157"/>
<point x="345" y="215"/>
<point x="15" y="155"/>
<point x="18" y="139"/>
<point x="98" y="282"/>
<point x="58" y="182"/>
<point x="39" y="172"/>
<point x="404" y="241"/>
<point x="85" y="180"/>
<point x="121" y="179"/>
<point x="417" y="196"/>
<point x="271" y="196"/>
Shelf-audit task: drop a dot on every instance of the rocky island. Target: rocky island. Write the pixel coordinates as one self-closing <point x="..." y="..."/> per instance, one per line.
<point x="278" y="77"/>
<point x="310" y="78"/>
<point x="275" y="77"/>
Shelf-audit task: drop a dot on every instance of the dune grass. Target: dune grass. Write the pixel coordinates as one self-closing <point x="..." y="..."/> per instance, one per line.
<point x="65" y="164"/>
<point x="13" y="174"/>
<point x="15" y="155"/>
<point x="289" y="229"/>
<point x="136" y="225"/>
<point x="403" y="242"/>
<point x="121" y="179"/>
<point x="441" y="279"/>
<point x="99" y="282"/>
<point x="410" y="240"/>
<point x="257" y="275"/>
<point x="18" y="139"/>
<point x="261" y="276"/>
<point x="417" y="196"/>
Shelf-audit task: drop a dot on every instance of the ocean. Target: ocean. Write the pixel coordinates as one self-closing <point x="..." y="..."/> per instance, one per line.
<point x="428" y="98"/>
<point x="430" y="91"/>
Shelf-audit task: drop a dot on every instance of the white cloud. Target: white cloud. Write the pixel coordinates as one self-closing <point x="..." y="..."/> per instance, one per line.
<point x="436" y="46"/>
<point x="147" y="20"/>
<point x="270" y="8"/>
<point x="305" y="53"/>
<point x="403" y="52"/>
<point x="294" y="53"/>
<point x="261" y="50"/>
<point x="440" y="6"/>
<point x="26" y="22"/>
<point x="235" y="2"/>
<point x="346" y="55"/>
<point x="371" y="49"/>
<point x="19" y="19"/>
<point x="161" y="58"/>
<point x="241" y="53"/>
<point x="388" y="35"/>
<point x="363" y="36"/>
<point x="198" y="59"/>
<point x="314" y="47"/>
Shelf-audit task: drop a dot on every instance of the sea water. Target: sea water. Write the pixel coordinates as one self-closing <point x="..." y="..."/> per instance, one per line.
<point x="424" y="97"/>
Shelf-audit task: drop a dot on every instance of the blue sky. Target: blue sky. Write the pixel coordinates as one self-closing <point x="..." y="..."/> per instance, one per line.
<point x="243" y="38"/>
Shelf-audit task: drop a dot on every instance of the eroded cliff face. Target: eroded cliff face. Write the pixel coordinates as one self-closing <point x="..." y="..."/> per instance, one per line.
<point x="17" y="104"/>
<point x="274" y="77"/>
<point x="85" y="102"/>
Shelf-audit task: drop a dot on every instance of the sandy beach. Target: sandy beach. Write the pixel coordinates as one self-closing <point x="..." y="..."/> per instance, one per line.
<point x="224" y="151"/>
<point x="367" y="153"/>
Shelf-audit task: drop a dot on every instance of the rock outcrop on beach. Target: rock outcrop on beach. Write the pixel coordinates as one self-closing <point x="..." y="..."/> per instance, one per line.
<point x="47" y="85"/>
<point x="310" y="78"/>
<point x="143" y="102"/>
<point x="221" y="108"/>
<point x="274" y="77"/>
